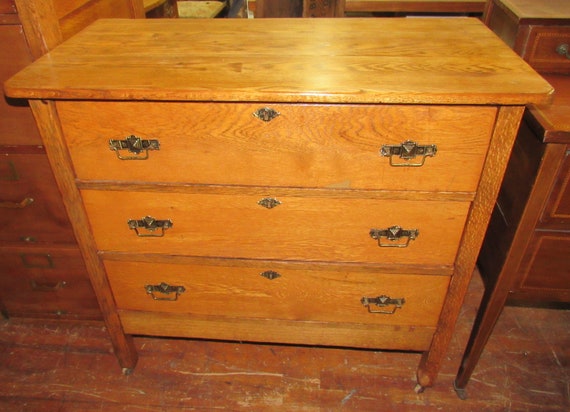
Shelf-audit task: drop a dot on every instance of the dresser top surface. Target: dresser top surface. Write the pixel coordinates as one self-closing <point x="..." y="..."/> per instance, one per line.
<point x="393" y="60"/>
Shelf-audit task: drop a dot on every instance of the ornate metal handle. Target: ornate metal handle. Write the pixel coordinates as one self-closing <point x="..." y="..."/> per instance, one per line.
<point x="164" y="291"/>
<point x="151" y="226"/>
<point x="137" y="147"/>
<point x="383" y="301"/>
<point x="563" y="50"/>
<point x="17" y="205"/>
<point x="407" y="151"/>
<point x="393" y="236"/>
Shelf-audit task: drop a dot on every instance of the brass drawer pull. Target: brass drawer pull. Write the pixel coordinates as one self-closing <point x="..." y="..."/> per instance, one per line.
<point x="266" y="114"/>
<point x="135" y="145"/>
<point x="11" y="172"/>
<point x="563" y="50"/>
<point x="392" y="236"/>
<point x="407" y="151"/>
<point x="37" y="260"/>
<point x="17" y="205"/>
<point x="383" y="301"/>
<point x="164" y="291"/>
<point x="47" y="286"/>
<point x="150" y="226"/>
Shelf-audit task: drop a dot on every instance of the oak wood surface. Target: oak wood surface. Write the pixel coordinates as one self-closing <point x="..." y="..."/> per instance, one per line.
<point x="302" y="228"/>
<point x="354" y="62"/>
<point x="324" y="146"/>
<point x="412" y="338"/>
<point x="463" y="63"/>
<point x="502" y="141"/>
<point x="296" y="295"/>
<point x="45" y="113"/>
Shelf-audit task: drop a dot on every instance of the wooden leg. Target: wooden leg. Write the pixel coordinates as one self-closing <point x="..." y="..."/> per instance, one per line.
<point x="490" y="309"/>
<point x="45" y="114"/>
<point x="508" y="120"/>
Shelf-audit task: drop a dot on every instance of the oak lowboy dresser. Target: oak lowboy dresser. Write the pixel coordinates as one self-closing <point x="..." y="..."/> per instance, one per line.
<point x="308" y="181"/>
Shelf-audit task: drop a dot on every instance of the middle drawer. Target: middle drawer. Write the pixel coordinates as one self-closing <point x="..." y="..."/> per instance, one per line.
<point x="282" y="227"/>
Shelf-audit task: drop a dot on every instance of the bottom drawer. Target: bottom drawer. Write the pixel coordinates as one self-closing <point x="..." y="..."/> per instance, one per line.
<point x="285" y="295"/>
<point x="50" y="283"/>
<point x="545" y="268"/>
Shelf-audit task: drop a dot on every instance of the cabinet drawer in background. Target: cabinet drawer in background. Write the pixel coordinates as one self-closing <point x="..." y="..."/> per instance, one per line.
<point x="243" y="291"/>
<point x="548" y="49"/>
<point x="30" y="203"/>
<point x="17" y="125"/>
<point x="556" y="214"/>
<point x="46" y="282"/>
<point x="545" y="267"/>
<point x="299" y="228"/>
<point x="336" y="146"/>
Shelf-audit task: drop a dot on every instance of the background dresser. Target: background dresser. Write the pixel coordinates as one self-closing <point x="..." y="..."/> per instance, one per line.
<point x="42" y="272"/>
<point x="309" y="188"/>
<point x="525" y="257"/>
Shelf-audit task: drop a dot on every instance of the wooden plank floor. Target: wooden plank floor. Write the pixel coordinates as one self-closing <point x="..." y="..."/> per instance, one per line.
<point x="55" y="366"/>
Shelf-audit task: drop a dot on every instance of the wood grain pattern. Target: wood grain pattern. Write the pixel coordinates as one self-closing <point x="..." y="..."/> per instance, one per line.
<point x="221" y="225"/>
<point x="316" y="146"/>
<point x="297" y="295"/>
<point x="45" y="113"/>
<point x="495" y="165"/>
<point x="332" y="62"/>
<point x="302" y="228"/>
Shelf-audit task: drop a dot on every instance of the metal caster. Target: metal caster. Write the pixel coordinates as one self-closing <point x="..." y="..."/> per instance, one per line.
<point x="127" y="371"/>
<point x="419" y="388"/>
<point x="461" y="392"/>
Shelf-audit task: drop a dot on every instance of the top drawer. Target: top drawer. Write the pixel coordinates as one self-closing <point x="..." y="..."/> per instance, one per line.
<point x="548" y="49"/>
<point x="330" y="146"/>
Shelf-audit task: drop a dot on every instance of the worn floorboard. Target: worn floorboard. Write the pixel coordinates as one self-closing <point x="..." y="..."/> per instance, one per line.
<point x="59" y="366"/>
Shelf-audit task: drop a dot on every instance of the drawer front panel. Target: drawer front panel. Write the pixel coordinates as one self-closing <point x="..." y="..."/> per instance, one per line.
<point x="17" y="124"/>
<point x="46" y="283"/>
<point x="556" y="215"/>
<point x="318" y="229"/>
<point x="304" y="295"/>
<point x="414" y="338"/>
<point x="335" y="146"/>
<point x="31" y="205"/>
<point x="548" y="49"/>
<point x="546" y="265"/>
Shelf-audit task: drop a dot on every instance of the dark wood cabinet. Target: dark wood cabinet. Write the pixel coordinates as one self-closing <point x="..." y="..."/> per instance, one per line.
<point x="42" y="273"/>
<point x="525" y="257"/>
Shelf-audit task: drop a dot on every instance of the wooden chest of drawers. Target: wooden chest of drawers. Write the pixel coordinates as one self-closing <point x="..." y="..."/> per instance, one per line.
<point x="313" y="187"/>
